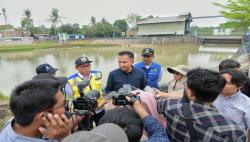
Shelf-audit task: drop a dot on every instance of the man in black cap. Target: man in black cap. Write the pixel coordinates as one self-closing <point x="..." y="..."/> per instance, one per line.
<point x="83" y="65"/>
<point x="152" y="70"/>
<point x="46" y="68"/>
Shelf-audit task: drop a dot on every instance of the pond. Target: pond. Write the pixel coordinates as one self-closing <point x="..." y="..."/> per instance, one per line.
<point x="17" y="67"/>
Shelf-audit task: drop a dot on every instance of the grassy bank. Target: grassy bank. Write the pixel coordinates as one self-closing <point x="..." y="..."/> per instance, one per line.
<point x="3" y="97"/>
<point x="5" y="113"/>
<point x="46" y="45"/>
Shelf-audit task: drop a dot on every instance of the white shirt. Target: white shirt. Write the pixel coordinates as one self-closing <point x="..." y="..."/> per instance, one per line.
<point x="235" y="108"/>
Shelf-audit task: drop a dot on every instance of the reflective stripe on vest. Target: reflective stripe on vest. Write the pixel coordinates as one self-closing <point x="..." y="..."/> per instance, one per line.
<point x="94" y="84"/>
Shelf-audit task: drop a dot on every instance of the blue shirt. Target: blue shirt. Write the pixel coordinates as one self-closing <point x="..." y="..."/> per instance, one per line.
<point x="117" y="78"/>
<point x="155" y="131"/>
<point x="152" y="73"/>
<point x="235" y="108"/>
<point x="9" y="135"/>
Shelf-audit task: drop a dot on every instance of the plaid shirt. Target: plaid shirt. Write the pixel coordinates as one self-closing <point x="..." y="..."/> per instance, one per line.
<point x="208" y="123"/>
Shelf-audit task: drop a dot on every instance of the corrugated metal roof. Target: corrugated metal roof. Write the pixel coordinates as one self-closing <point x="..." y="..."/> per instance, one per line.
<point x="163" y="20"/>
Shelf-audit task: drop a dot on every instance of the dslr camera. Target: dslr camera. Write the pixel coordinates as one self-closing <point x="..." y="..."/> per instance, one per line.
<point x="119" y="98"/>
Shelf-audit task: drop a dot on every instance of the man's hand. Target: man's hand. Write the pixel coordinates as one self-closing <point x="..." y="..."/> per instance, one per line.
<point x="138" y="107"/>
<point x="104" y="102"/>
<point x="75" y="120"/>
<point x="56" y="127"/>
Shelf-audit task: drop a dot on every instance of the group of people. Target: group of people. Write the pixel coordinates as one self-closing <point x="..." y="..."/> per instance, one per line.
<point x="200" y="104"/>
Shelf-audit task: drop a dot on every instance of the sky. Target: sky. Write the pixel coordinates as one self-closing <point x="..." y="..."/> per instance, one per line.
<point x="80" y="11"/>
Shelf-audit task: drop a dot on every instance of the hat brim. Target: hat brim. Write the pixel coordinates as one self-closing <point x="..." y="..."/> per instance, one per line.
<point x="53" y="71"/>
<point x="61" y="80"/>
<point x="87" y="62"/>
<point x="147" y="54"/>
<point x="172" y="69"/>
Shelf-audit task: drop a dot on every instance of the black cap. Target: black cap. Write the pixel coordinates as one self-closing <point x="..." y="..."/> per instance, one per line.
<point x="61" y="80"/>
<point x="82" y="60"/>
<point x="45" y="68"/>
<point x="147" y="51"/>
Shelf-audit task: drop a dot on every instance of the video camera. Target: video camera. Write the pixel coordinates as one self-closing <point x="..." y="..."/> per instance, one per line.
<point x="86" y="103"/>
<point x="119" y="98"/>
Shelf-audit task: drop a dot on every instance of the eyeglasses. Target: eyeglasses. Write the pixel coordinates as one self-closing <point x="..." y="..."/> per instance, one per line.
<point x="84" y="66"/>
<point x="65" y="105"/>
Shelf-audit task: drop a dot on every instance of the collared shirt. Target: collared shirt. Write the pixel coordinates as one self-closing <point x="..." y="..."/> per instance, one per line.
<point x="210" y="126"/>
<point x="177" y="86"/>
<point x="235" y="108"/>
<point x="155" y="130"/>
<point x="9" y="135"/>
<point x="117" y="78"/>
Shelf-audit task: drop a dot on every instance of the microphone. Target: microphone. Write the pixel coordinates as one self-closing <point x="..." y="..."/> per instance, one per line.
<point x="93" y="94"/>
<point x="81" y="85"/>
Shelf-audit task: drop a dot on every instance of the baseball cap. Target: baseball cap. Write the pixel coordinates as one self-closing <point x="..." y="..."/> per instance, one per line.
<point x="61" y="80"/>
<point x="147" y="51"/>
<point x="45" y="68"/>
<point x="82" y="60"/>
<point x="107" y="132"/>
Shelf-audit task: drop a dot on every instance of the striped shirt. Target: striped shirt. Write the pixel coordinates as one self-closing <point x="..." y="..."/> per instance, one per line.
<point x="208" y="123"/>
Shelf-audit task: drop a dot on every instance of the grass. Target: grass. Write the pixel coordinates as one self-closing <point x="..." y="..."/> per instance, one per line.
<point x="46" y="45"/>
<point x="3" y="97"/>
<point x="5" y="113"/>
<point x="43" y="45"/>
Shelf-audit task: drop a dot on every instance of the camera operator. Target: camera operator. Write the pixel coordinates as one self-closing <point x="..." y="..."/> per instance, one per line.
<point x="38" y="107"/>
<point x="133" y="121"/>
<point x="74" y="90"/>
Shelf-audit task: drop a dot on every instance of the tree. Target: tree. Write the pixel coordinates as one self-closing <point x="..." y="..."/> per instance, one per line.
<point x="237" y="13"/>
<point x="6" y="27"/>
<point x="4" y="15"/>
<point x="132" y="19"/>
<point x="121" y="26"/>
<point x="55" y="19"/>
<point x="70" y="29"/>
<point x="93" y="21"/>
<point x="88" y="31"/>
<point x="104" y="21"/>
<point x="27" y="21"/>
<point x="104" y="30"/>
<point x="39" y="30"/>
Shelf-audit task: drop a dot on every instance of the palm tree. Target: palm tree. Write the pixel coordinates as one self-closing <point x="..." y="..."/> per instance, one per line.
<point x="27" y="13"/>
<point x="27" y="21"/>
<point x="93" y="21"/>
<point x="55" y="18"/>
<point x="4" y="15"/>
